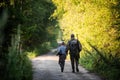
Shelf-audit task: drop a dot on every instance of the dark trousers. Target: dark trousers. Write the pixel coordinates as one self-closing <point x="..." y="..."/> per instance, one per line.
<point x="62" y="61"/>
<point x="74" y="61"/>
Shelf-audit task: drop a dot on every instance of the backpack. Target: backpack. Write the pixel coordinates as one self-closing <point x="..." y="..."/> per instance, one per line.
<point x="74" y="46"/>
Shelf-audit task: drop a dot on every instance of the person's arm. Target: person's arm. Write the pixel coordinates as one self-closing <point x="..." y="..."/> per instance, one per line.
<point x="67" y="47"/>
<point x="58" y="50"/>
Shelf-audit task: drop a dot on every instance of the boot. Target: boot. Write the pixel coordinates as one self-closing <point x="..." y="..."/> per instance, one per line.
<point x="77" y="69"/>
<point x="62" y="69"/>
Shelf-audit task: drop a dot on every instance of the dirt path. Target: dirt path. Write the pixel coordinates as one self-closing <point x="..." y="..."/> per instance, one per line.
<point x="46" y="68"/>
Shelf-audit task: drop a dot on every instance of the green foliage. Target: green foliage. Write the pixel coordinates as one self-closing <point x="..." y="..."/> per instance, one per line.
<point x="37" y="33"/>
<point x="43" y="48"/>
<point x="87" y="61"/>
<point x="3" y="20"/>
<point x="92" y="20"/>
<point x="38" y="27"/>
<point x="96" y="22"/>
<point x="34" y="18"/>
<point x="31" y="54"/>
<point x="106" y="65"/>
<point x="19" y="66"/>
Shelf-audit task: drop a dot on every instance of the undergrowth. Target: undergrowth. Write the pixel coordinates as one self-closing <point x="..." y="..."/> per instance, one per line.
<point x="19" y="66"/>
<point x="105" y="64"/>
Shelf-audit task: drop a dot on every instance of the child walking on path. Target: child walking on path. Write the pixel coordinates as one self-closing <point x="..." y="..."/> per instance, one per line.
<point x="62" y="55"/>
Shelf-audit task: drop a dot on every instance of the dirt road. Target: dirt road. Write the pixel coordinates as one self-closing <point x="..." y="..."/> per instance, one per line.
<point x="46" y="67"/>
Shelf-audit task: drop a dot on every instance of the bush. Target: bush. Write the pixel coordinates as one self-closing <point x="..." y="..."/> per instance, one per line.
<point x="105" y="64"/>
<point x="87" y="61"/>
<point x="19" y="66"/>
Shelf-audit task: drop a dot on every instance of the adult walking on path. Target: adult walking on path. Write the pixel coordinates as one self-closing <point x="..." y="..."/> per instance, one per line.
<point x="74" y="46"/>
<point x="45" y="67"/>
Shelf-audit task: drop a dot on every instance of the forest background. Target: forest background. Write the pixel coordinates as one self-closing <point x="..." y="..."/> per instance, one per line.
<point x="29" y="28"/>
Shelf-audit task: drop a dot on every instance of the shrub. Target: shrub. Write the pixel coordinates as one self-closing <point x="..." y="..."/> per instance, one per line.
<point x="19" y="66"/>
<point x="105" y="64"/>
